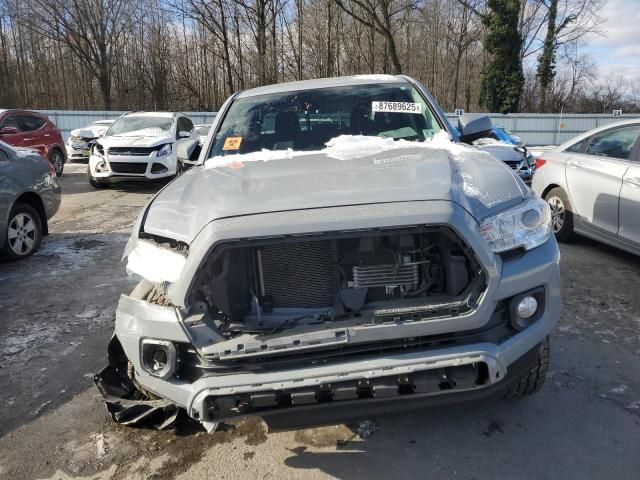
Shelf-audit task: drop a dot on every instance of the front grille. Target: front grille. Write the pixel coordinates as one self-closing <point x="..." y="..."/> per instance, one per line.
<point x="126" y="167"/>
<point x="299" y="274"/>
<point x="131" y="151"/>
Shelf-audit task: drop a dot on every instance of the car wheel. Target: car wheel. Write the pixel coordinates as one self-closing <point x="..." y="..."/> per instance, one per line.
<point x="533" y="380"/>
<point x="561" y="214"/>
<point x="57" y="160"/>
<point x="92" y="180"/>
<point x="24" y="232"/>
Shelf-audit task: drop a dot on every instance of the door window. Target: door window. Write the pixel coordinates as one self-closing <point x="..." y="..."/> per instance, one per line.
<point x="615" y="143"/>
<point x="4" y="158"/>
<point x="12" y="121"/>
<point x="579" y="147"/>
<point x="184" y="125"/>
<point x="30" y="123"/>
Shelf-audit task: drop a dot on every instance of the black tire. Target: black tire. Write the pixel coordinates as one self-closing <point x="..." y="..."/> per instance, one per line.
<point x="533" y="380"/>
<point x="561" y="214"/>
<point x="93" y="182"/>
<point x="24" y="232"/>
<point x="56" y="157"/>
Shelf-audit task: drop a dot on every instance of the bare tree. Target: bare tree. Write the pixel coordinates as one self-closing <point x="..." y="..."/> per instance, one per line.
<point x="381" y="16"/>
<point x="91" y="29"/>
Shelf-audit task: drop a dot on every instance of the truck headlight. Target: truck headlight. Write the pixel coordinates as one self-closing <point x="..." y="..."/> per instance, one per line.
<point x="164" y="150"/>
<point x="527" y="225"/>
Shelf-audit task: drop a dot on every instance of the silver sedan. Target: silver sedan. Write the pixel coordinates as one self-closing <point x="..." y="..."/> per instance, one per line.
<point x="592" y="184"/>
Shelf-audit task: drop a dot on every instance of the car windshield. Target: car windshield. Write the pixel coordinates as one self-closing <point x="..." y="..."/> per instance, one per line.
<point x="306" y="120"/>
<point x="140" y="125"/>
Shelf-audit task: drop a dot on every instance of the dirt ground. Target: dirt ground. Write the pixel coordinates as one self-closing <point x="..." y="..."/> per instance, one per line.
<point x="57" y="315"/>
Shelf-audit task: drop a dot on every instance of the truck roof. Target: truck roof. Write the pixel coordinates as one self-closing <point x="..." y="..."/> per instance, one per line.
<point x="321" y="83"/>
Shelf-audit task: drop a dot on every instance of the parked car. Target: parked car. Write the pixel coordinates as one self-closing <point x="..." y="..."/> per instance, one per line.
<point x="29" y="197"/>
<point x="332" y="251"/>
<point x="507" y="148"/>
<point x="203" y="131"/>
<point x="139" y="146"/>
<point x="506" y="136"/>
<point x="592" y="184"/>
<point x="23" y="128"/>
<point x="82" y="140"/>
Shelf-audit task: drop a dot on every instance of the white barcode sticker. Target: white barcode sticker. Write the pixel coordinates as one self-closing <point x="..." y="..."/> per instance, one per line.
<point x="396" y="107"/>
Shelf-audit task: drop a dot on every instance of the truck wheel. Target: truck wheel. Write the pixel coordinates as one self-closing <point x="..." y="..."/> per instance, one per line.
<point x="92" y="181"/>
<point x="561" y="214"/>
<point x="24" y="232"/>
<point x="533" y="380"/>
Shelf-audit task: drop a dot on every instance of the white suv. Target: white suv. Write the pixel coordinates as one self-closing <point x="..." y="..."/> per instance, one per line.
<point x="139" y="146"/>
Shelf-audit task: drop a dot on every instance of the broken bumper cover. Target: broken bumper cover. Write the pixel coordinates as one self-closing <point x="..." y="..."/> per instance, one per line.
<point x="324" y="394"/>
<point x="127" y="405"/>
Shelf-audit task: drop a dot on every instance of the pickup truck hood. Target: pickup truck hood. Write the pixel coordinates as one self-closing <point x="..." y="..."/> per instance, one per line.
<point x="136" y="141"/>
<point x="467" y="176"/>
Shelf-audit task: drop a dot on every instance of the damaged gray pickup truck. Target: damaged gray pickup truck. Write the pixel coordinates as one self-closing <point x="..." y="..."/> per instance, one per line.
<point x="332" y="255"/>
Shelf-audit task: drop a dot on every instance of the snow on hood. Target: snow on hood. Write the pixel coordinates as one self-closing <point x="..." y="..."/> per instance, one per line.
<point x="145" y="140"/>
<point x="350" y="171"/>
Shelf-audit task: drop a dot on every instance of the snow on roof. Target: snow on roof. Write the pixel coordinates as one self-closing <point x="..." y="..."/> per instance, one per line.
<point x="152" y="114"/>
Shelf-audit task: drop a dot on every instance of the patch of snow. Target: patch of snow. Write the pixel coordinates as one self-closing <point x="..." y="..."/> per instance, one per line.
<point x="366" y="428"/>
<point x="343" y="147"/>
<point x="620" y="389"/>
<point x="634" y="405"/>
<point x="89" y="312"/>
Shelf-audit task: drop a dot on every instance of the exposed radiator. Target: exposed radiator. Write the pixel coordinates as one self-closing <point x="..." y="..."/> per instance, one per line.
<point x="299" y="274"/>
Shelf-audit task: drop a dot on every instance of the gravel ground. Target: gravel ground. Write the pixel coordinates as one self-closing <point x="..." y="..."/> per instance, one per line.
<point x="57" y="315"/>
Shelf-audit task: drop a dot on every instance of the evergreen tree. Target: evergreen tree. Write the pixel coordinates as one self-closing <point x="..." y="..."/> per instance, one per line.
<point x="502" y="78"/>
<point x="547" y="60"/>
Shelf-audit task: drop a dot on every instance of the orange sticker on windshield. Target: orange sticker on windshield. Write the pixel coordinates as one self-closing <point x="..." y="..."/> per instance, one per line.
<point x="232" y="143"/>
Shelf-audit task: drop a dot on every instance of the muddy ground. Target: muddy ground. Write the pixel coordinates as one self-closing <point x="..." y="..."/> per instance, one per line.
<point x="56" y="318"/>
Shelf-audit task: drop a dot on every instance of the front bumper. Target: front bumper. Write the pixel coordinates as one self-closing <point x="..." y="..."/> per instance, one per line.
<point x="78" y="151"/>
<point x="283" y="393"/>
<point x="121" y="167"/>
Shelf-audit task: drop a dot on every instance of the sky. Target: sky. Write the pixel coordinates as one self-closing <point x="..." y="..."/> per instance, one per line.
<point x="618" y="49"/>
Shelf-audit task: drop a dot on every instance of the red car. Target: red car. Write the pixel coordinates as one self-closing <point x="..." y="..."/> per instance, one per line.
<point x="23" y="128"/>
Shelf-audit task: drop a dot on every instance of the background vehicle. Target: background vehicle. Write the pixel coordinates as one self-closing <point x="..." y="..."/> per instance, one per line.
<point x="500" y="143"/>
<point x="139" y="146"/>
<point x="203" y="131"/>
<point x="326" y="260"/>
<point x="506" y="136"/>
<point x="29" y="197"/>
<point x="592" y="184"/>
<point x="23" y="128"/>
<point x="82" y="139"/>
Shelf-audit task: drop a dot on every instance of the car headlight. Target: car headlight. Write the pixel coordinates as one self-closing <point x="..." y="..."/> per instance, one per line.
<point x="164" y="150"/>
<point x="526" y="225"/>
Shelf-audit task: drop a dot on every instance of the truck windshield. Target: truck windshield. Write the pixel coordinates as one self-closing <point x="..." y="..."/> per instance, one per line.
<point x="308" y="119"/>
<point x="140" y="125"/>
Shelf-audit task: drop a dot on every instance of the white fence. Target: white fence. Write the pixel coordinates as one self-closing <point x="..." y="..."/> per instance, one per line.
<point x="67" y="120"/>
<point x="533" y="128"/>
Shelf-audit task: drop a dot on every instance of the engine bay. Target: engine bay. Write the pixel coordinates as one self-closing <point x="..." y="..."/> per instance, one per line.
<point x="268" y="285"/>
